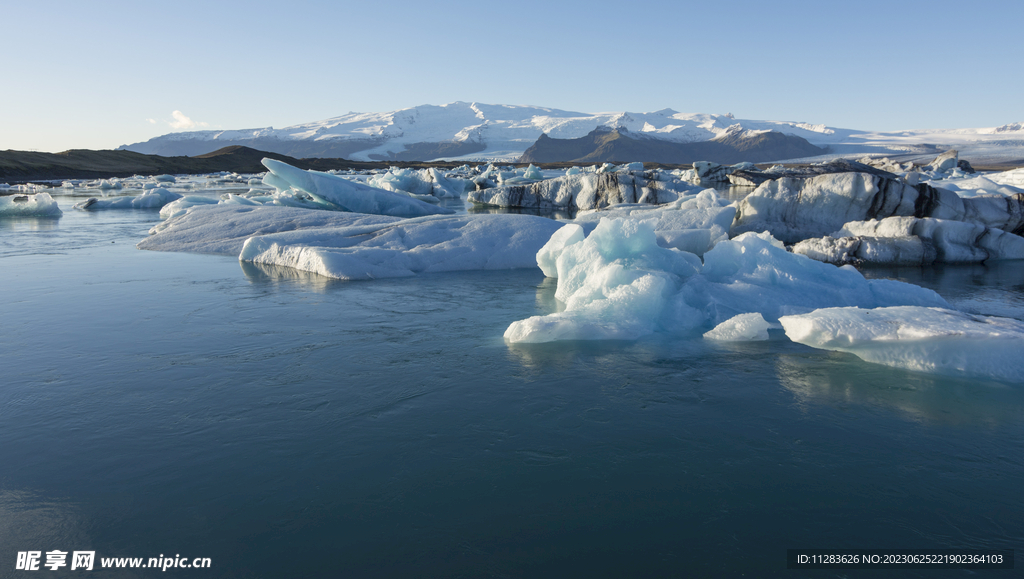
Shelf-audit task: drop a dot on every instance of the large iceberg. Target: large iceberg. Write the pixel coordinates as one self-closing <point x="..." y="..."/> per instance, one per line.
<point x="406" y="247"/>
<point x="616" y="283"/>
<point x="915" y="338"/>
<point x="796" y="209"/>
<point x="619" y="283"/>
<point x="913" y="241"/>
<point x="584" y="191"/>
<point x="223" y="229"/>
<point x="346" y="195"/>
<point x="37" y="205"/>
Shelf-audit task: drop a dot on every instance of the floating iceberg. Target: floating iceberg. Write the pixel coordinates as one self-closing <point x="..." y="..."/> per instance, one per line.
<point x="913" y="241"/>
<point x="151" y="199"/>
<point x="37" y="205"/>
<point x="346" y="195"/>
<point x="223" y="229"/>
<point x="796" y="209"/>
<point x="924" y="339"/>
<point x="406" y="247"/>
<point x="618" y="283"/>
<point x="423" y="183"/>
<point x="584" y="191"/>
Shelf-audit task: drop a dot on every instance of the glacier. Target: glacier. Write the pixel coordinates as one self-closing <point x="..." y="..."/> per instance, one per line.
<point x="923" y="339"/>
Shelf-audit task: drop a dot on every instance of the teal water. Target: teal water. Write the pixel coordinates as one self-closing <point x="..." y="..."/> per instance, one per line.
<point x="286" y="425"/>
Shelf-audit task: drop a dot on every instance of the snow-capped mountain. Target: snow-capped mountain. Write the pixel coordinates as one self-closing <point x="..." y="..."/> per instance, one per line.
<point x="481" y="131"/>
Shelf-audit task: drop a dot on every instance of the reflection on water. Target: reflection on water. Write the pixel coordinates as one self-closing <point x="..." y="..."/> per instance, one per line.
<point x="843" y="381"/>
<point x="43" y="223"/>
<point x="260" y="273"/>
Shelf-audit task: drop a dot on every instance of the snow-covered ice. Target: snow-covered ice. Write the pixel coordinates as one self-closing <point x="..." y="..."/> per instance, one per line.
<point x="917" y="338"/>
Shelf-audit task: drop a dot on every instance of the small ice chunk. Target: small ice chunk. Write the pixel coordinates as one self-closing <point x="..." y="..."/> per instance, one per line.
<point x="741" y="328"/>
<point x="37" y="205"/>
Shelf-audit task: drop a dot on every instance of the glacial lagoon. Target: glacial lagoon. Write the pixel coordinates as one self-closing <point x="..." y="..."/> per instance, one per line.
<point x="286" y="424"/>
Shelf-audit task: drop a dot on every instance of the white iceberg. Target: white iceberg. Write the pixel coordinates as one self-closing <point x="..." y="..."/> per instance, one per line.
<point x="913" y="241"/>
<point x="584" y="191"/>
<point x="346" y="195"/>
<point x="37" y="205"/>
<point x="619" y="283"/>
<point x="223" y="229"/>
<point x="420" y="184"/>
<point x="616" y="283"/>
<point x="794" y="209"/>
<point x="406" y="247"/>
<point x="924" y="339"/>
<point x="151" y="199"/>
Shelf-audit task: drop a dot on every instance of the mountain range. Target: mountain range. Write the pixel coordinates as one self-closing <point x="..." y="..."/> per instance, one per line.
<point x="480" y="132"/>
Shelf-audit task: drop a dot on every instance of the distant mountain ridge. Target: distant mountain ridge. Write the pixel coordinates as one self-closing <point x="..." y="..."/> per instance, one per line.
<point x="618" y="145"/>
<point x="477" y="131"/>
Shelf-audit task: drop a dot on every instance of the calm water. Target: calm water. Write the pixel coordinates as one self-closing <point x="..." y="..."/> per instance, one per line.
<point x="286" y="425"/>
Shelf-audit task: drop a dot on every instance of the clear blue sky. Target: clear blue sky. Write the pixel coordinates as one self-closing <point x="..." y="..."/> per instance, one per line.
<point x="105" y="73"/>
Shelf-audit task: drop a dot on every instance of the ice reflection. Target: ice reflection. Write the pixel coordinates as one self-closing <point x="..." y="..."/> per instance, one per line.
<point x="841" y="380"/>
<point x="40" y="223"/>
<point x="258" y="273"/>
<point x="993" y="289"/>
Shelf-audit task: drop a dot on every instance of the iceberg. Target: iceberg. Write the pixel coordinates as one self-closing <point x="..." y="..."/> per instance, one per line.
<point x="693" y="223"/>
<point x="37" y="205"/>
<point x="223" y="229"/>
<point x="794" y="209"/>
<point x="406" y="247"/>
<point x="913" y="241"/>
<point x="584" y="191"/>
<point x="151" y="199"/>
<point x="616" y="283"/>
<point x="420" y="184"/>
<point x="924" y="339"/>
<point x="619" y="283"/>
<point x="344" y="194"/>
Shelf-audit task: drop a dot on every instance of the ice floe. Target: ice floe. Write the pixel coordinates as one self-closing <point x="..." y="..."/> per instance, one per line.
<point x="426" y="184"/>
<point x="36" y="205"/>
<point x="917" y="338"/>
<point x="344" y="194"/>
